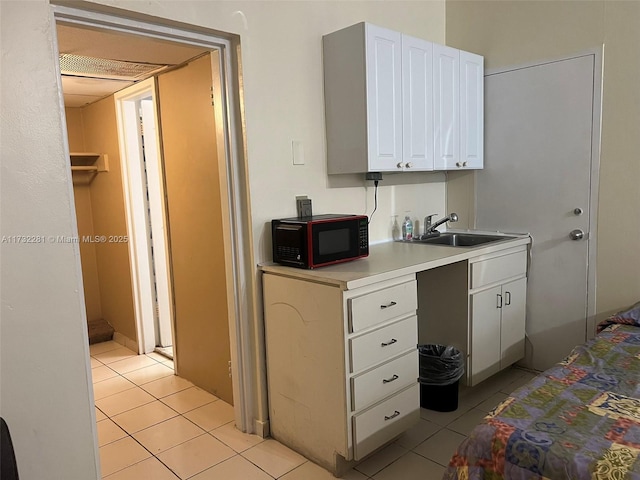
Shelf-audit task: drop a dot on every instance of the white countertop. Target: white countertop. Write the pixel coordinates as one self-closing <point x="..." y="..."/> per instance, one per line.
<point x="394" y="259"/>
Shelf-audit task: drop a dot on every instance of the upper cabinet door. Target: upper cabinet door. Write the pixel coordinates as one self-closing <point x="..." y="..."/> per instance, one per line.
<point x="417" y="104"/>
<point x="471" y="110"/>
<point x="446" y="87"/>
<point x="384" y="98"/>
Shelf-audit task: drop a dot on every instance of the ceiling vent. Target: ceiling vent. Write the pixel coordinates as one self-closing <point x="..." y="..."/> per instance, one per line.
<point x="79" y="65"/>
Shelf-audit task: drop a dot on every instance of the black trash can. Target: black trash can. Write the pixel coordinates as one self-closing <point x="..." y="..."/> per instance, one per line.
<point x="441" y="368"/>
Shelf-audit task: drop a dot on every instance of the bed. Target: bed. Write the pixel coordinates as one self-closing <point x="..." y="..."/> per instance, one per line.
<point x="578" y="420"/>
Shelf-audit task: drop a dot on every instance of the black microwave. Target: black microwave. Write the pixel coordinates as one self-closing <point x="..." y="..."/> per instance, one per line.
<point x="311" y="242"/>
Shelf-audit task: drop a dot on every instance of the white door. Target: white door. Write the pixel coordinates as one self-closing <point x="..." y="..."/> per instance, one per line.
<point x="539" y="123"/>
<point x="417" y="104"/>
<point x="446" y="91"/>
<point x="384" y="98"/>
<point x="146" y="222"/>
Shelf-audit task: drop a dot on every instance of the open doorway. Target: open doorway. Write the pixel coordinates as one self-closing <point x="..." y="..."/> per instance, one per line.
<point x="197" y="200"/>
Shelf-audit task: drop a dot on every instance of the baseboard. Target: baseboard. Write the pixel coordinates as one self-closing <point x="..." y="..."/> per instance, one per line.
<point x="262" y="428"/>
<point x="126" y="341"/>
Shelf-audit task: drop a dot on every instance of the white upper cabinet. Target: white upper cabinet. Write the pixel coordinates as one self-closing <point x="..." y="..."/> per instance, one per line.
<point x="394" y="103"/>
<point x="417" y="104"/>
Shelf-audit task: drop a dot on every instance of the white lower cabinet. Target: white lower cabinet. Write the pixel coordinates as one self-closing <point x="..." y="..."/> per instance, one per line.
<point x="342" y="366"/>
<point x="479" y="307"/>
<point x="497" y="314"/>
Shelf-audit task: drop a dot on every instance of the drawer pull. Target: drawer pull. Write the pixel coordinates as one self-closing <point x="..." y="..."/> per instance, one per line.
<point x="389" y="380"/>
<point x="390" y="304"/>
<point x="390" y="342"/>
<point x="389" y="417"/>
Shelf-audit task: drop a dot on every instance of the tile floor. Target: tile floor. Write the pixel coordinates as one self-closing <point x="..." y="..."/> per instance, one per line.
<point x="153" y="424"/>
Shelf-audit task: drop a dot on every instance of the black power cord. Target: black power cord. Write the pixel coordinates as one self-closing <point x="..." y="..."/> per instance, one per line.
<point x="376" y="177"/>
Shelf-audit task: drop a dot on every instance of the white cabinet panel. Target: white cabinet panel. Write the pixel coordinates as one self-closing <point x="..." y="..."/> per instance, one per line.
<point x="384" y="97"/>
<point x="446" y="85"/>
<point x="471" y="110"/>
<point x="496" y="269"/>
<point x="417" y="103"/>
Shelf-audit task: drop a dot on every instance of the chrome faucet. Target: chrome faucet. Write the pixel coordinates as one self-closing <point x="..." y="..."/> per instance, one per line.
<point x="430" y="228"/>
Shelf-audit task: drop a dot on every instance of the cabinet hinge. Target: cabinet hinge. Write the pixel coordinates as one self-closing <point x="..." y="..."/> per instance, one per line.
<point x="229" y="368"/>
<point x="212" y="104"/>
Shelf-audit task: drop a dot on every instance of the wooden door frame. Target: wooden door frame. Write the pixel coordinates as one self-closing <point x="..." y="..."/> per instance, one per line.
<point x="241" y="288"/>
<point x="596" y="135"/>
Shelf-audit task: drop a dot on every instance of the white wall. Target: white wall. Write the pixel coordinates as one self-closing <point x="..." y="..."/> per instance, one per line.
<point x="282" y="68"/>
<point x="514" y="33"/>
<point x="46" y="395"/>
<point x="46" y="391"/>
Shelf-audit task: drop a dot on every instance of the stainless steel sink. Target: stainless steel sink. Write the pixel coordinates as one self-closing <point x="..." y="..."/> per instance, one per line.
<point x="461" y="239"/>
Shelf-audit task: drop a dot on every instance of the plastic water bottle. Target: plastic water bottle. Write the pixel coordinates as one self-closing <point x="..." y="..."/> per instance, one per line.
<point x="407" y="228"/>
<point x="395" y="228"/>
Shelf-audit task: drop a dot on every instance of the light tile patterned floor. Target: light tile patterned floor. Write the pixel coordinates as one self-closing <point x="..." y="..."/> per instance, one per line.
<point x="153" y="424"/>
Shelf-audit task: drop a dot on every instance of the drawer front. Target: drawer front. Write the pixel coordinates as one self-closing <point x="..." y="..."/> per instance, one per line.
<point x="377" y="307"/>
<point x="497" y="269"/>
<point x="381" y="423"/>
<point x="380" y="345"/>
<point x="385" y="380"/>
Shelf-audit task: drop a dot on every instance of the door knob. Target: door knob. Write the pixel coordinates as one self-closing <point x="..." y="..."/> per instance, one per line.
<point x="576" y="234"/>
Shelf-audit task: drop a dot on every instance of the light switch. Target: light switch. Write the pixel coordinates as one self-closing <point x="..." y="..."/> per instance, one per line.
<point x="298" y="152"/>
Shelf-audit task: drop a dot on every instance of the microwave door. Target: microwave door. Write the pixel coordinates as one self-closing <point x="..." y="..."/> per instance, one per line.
<point x="290" y="245"/>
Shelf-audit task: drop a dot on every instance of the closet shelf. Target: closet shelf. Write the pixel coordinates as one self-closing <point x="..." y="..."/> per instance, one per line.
<point x="85" y="166"/>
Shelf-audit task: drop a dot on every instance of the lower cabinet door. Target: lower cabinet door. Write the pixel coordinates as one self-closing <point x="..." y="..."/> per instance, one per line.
<point x="486" y="310"/>
<point x="514" y="312"/>
<point x="377" y="425"/>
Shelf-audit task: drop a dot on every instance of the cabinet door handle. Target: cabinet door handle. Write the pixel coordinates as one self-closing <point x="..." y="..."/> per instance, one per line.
<point x="390" y="342"/>
<point x="394" y="415"/>
<point x="499" y="300"/>
<point x="389" y="380"/>
<point x="507" y="298"/>
<point x="390" y="304"/>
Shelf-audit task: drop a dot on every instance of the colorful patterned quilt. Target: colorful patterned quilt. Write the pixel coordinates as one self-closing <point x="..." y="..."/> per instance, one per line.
<point x="578" y="420"/>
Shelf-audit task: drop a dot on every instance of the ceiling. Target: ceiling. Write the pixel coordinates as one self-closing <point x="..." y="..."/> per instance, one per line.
<point x="94" y="80"/>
